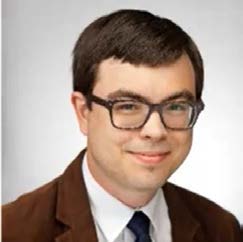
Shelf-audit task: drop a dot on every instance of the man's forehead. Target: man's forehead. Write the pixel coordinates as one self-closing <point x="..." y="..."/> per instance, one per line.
<point x="151" y="82"/>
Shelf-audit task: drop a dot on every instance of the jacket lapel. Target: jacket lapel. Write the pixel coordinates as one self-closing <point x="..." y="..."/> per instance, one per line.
<point x="185" y="228"/>
<point x="73" y="208"/>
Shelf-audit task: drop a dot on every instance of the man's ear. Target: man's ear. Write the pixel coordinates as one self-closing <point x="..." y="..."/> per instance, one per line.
<point x="81" y="109"/>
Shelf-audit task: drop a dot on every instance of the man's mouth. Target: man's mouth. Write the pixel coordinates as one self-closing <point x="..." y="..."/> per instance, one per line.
<point x="150" y="157"/>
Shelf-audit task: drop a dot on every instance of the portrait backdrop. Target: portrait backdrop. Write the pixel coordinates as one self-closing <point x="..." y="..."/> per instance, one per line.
<point x="40" y="132"/>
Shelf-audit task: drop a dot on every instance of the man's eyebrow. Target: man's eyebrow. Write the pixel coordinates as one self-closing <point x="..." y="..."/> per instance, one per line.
<point x="123" y="93"/>
<point x="185" y="94"/>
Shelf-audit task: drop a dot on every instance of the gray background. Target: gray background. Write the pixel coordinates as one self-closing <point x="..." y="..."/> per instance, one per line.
<point x="40" y="133"/>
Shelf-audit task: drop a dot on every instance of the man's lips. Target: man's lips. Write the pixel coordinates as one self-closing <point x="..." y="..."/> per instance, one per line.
<point x="150" y="157"/>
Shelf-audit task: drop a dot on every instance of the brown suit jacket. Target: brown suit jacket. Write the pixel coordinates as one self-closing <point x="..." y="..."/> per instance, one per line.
<point x="59" y="211"/>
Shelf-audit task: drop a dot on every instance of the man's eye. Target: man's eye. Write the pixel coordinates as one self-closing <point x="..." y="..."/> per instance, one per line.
<point x="177" y="107"/>
<point x="127" y="106"/>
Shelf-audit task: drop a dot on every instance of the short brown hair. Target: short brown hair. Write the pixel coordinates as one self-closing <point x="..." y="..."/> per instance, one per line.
<point x="133" y="36"/>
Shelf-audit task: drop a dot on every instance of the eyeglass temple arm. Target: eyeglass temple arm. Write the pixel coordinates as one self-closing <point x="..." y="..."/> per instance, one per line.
<point x="100" y="101"/>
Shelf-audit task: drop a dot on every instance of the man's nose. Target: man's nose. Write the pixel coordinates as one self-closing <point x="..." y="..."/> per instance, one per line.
<point x="154" y="128"/>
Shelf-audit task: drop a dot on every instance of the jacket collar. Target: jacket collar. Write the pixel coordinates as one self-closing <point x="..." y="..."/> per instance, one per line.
<point x="73" y="208"/>
<point x="185" y="227"/>
<point x="74" y="211"/>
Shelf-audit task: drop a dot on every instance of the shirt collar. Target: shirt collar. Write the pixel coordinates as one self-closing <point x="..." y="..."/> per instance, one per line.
<point x="157" y="212"/>
<point x="108" y="210"/>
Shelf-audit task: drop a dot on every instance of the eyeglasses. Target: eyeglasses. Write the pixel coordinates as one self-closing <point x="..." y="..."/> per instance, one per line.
<point x="130" y="114"/>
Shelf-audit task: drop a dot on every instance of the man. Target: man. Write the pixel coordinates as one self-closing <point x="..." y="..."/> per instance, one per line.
<point x="138" y="82"/>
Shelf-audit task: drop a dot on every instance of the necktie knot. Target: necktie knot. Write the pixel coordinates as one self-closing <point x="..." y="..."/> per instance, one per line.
<point x="139" y="225"/>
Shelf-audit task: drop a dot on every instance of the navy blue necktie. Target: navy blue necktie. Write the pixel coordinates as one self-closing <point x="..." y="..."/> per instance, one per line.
<point x="139" y="225"/>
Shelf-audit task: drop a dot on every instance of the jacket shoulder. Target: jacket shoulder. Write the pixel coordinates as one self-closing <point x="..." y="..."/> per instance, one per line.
<point x="212" y="217"/>
<point x="31" y="215"/>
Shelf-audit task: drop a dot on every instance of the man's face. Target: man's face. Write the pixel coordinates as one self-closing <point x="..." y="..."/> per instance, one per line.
<point x="137" y="161"/>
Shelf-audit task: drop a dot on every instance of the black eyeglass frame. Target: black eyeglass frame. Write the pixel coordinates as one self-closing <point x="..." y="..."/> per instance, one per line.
<point x="197" y="107"/>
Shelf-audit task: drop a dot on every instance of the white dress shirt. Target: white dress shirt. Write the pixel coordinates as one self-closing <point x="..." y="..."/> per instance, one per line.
<point x="112" y="216"/>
